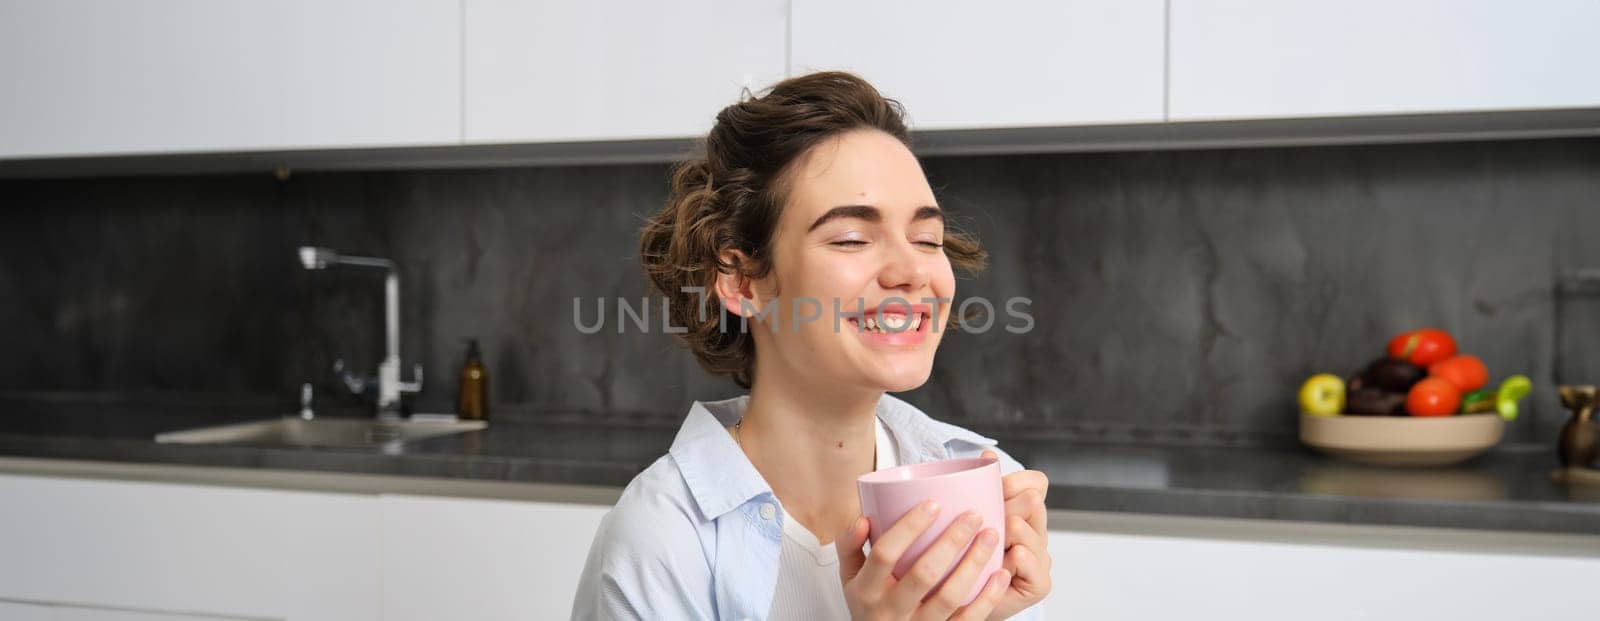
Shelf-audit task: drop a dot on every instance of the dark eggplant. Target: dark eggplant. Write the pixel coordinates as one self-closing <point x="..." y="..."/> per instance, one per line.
<point x="1368" y="401"/>
<point x="1392" y="375"/>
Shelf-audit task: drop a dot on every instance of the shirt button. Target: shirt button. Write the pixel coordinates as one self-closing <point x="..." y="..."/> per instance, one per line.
<point x="767" y="510"/>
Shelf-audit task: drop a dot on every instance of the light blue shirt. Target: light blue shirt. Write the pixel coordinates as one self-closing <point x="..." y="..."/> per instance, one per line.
<point x="697" y="534"/>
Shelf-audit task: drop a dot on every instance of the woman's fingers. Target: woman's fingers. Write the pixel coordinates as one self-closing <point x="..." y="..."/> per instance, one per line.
<point x="935" y="562"/>
<point x="1028" y="505"/>
<point x="1032" y="573"/>
<point x="1027" y="560"/>
<point x="1022" y="480"/>
<point x="886" y="551"/>
<point x="848" y="545"/>
<point x="979" y="609"/>
<point x="953" y="593"/>
<point x="1020" y="533"/>
<point x="1015" y="481"/>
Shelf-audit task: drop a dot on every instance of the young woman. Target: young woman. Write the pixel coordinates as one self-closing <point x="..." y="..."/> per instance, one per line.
<point x="809" y="261"/>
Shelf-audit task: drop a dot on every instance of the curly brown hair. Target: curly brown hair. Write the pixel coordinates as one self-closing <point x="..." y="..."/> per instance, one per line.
<point x="730" y="193"/>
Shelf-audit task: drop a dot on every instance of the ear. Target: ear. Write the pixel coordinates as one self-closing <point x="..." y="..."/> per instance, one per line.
<point x="737" y="292"/>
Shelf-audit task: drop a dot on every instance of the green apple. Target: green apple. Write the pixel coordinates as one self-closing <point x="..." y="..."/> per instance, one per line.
<point x="1322" y="395"/>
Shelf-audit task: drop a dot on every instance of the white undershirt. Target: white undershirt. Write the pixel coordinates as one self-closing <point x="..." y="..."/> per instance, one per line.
<point x="808" y="572"/>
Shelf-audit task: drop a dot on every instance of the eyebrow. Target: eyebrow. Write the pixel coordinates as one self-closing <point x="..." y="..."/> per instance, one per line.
<point x="871" y="214"/>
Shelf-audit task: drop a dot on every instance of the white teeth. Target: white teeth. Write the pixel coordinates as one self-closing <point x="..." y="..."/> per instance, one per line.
<point x="890" y="323"/>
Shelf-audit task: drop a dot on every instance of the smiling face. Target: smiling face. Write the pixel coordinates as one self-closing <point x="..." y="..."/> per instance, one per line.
<point x="860" y="226"/>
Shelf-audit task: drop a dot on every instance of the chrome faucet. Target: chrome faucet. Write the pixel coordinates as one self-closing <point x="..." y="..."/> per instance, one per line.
<point x="389" y="385"/>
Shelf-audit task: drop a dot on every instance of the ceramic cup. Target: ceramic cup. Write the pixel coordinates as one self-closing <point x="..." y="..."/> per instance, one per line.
<point x="958" y="485"/>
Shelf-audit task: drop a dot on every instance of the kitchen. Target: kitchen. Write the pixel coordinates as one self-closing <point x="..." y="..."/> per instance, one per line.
<point x="1205" y="203"/>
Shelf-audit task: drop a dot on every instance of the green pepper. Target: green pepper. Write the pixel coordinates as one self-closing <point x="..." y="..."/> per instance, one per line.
<point x="1478" y="401"/>
<point x="1512" y="390"/>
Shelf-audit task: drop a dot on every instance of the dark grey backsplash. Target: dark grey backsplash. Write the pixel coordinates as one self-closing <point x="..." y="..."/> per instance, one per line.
<point x="1176" y="296"/>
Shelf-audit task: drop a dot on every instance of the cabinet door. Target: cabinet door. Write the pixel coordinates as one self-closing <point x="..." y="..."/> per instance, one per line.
<point x="14" y="611"/>
<point x="957" y="64"/>
<point x="569" y="70"/>
<point x="76" y="613"/>
<point x="103" y="77"/>
<point x="1234" y="59"/>
<point x="1111" y="577"/>
<point x="202" y="550"/>
<point x="498" y="559"/>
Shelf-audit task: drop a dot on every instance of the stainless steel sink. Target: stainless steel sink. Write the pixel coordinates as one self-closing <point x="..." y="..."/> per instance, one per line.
<point x="324" y="432"/>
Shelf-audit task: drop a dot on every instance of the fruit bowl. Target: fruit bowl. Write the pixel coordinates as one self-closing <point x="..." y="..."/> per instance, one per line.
<point x="1402" y="440"/>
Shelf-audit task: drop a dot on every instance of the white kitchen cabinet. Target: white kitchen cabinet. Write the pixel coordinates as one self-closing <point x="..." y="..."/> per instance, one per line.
<point x="15" y="611"/>
<point x="1110" y="577"/>
<point x="102" y="550"/>
<point x="106" y="77"/>
<point x="202" y="551"/>
<point x="498" y="559"/>
<point x="960" y="65"/>
<point x="1242" y="59"/>
<point x="79" y="613"/>
<point x="20" y="611"/>
<point x="573" y="70"/>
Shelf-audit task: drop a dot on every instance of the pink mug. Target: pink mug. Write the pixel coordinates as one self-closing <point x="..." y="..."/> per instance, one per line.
<point x="958" y="485"/>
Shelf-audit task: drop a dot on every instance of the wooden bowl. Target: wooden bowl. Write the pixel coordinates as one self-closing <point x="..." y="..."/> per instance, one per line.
<point x="1402" y="440"/>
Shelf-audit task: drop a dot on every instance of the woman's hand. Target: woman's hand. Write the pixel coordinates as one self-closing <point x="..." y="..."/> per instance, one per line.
<point x="872" y="591"/>
<point x="1026" y="557"/>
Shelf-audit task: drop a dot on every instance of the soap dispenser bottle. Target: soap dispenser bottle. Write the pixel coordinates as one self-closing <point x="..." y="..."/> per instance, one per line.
<point x="472" y="398"/>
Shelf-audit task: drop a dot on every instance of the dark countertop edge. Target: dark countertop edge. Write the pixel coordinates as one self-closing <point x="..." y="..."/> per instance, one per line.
<point x="1328" y="509"/>
<point x="1520" y="517"/>
<point x="495" y="468"/>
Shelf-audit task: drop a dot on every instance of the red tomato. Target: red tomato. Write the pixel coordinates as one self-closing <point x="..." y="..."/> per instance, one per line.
<point x="1466" y="372"/>
<point x="1422" y="347"/>
<point x="1433" y="397"/>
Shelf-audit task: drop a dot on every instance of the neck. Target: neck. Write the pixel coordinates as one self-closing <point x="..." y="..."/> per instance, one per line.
<point x="810" y="445"/>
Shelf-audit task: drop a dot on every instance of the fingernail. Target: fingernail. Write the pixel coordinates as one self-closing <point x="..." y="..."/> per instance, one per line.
<point x="971" y="518"/>
<point x="988" y="537"/>
<point x="930" y="507"/>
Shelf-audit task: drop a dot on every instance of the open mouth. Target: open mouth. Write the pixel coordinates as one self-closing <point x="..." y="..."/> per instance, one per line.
<point x="890" y="320"/>
<point x="888" y="323"/>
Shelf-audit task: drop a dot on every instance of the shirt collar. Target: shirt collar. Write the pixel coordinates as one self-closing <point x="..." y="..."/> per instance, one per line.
<point x="721" y="478"/>
<point x="922" y="438"/>
<point x="711" y="462"/>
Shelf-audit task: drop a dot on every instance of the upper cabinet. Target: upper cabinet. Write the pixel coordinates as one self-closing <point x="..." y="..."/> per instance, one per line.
<point x="108" y="77"/>
<point x="571" y="70"/>
<point x="317" y="83"/>
<point x="1242" y="59"/>
<point x="957" y="64"/>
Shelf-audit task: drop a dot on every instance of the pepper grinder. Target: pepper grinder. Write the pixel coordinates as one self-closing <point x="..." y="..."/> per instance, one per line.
<point x="1577" y="301"/>
<point x="1580" y="438"/>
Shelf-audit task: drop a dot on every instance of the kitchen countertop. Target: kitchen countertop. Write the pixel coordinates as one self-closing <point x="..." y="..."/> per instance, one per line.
<point x="1508" y="489"/>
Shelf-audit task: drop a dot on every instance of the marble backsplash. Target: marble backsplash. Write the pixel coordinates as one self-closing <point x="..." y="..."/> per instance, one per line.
<point x="1177" y="297"/>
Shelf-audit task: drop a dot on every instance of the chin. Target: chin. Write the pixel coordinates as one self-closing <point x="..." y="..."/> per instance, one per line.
<point x="907" y="379"/>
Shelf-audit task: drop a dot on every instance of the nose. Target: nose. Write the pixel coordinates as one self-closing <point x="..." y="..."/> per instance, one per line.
<point x="903" y="269"/>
